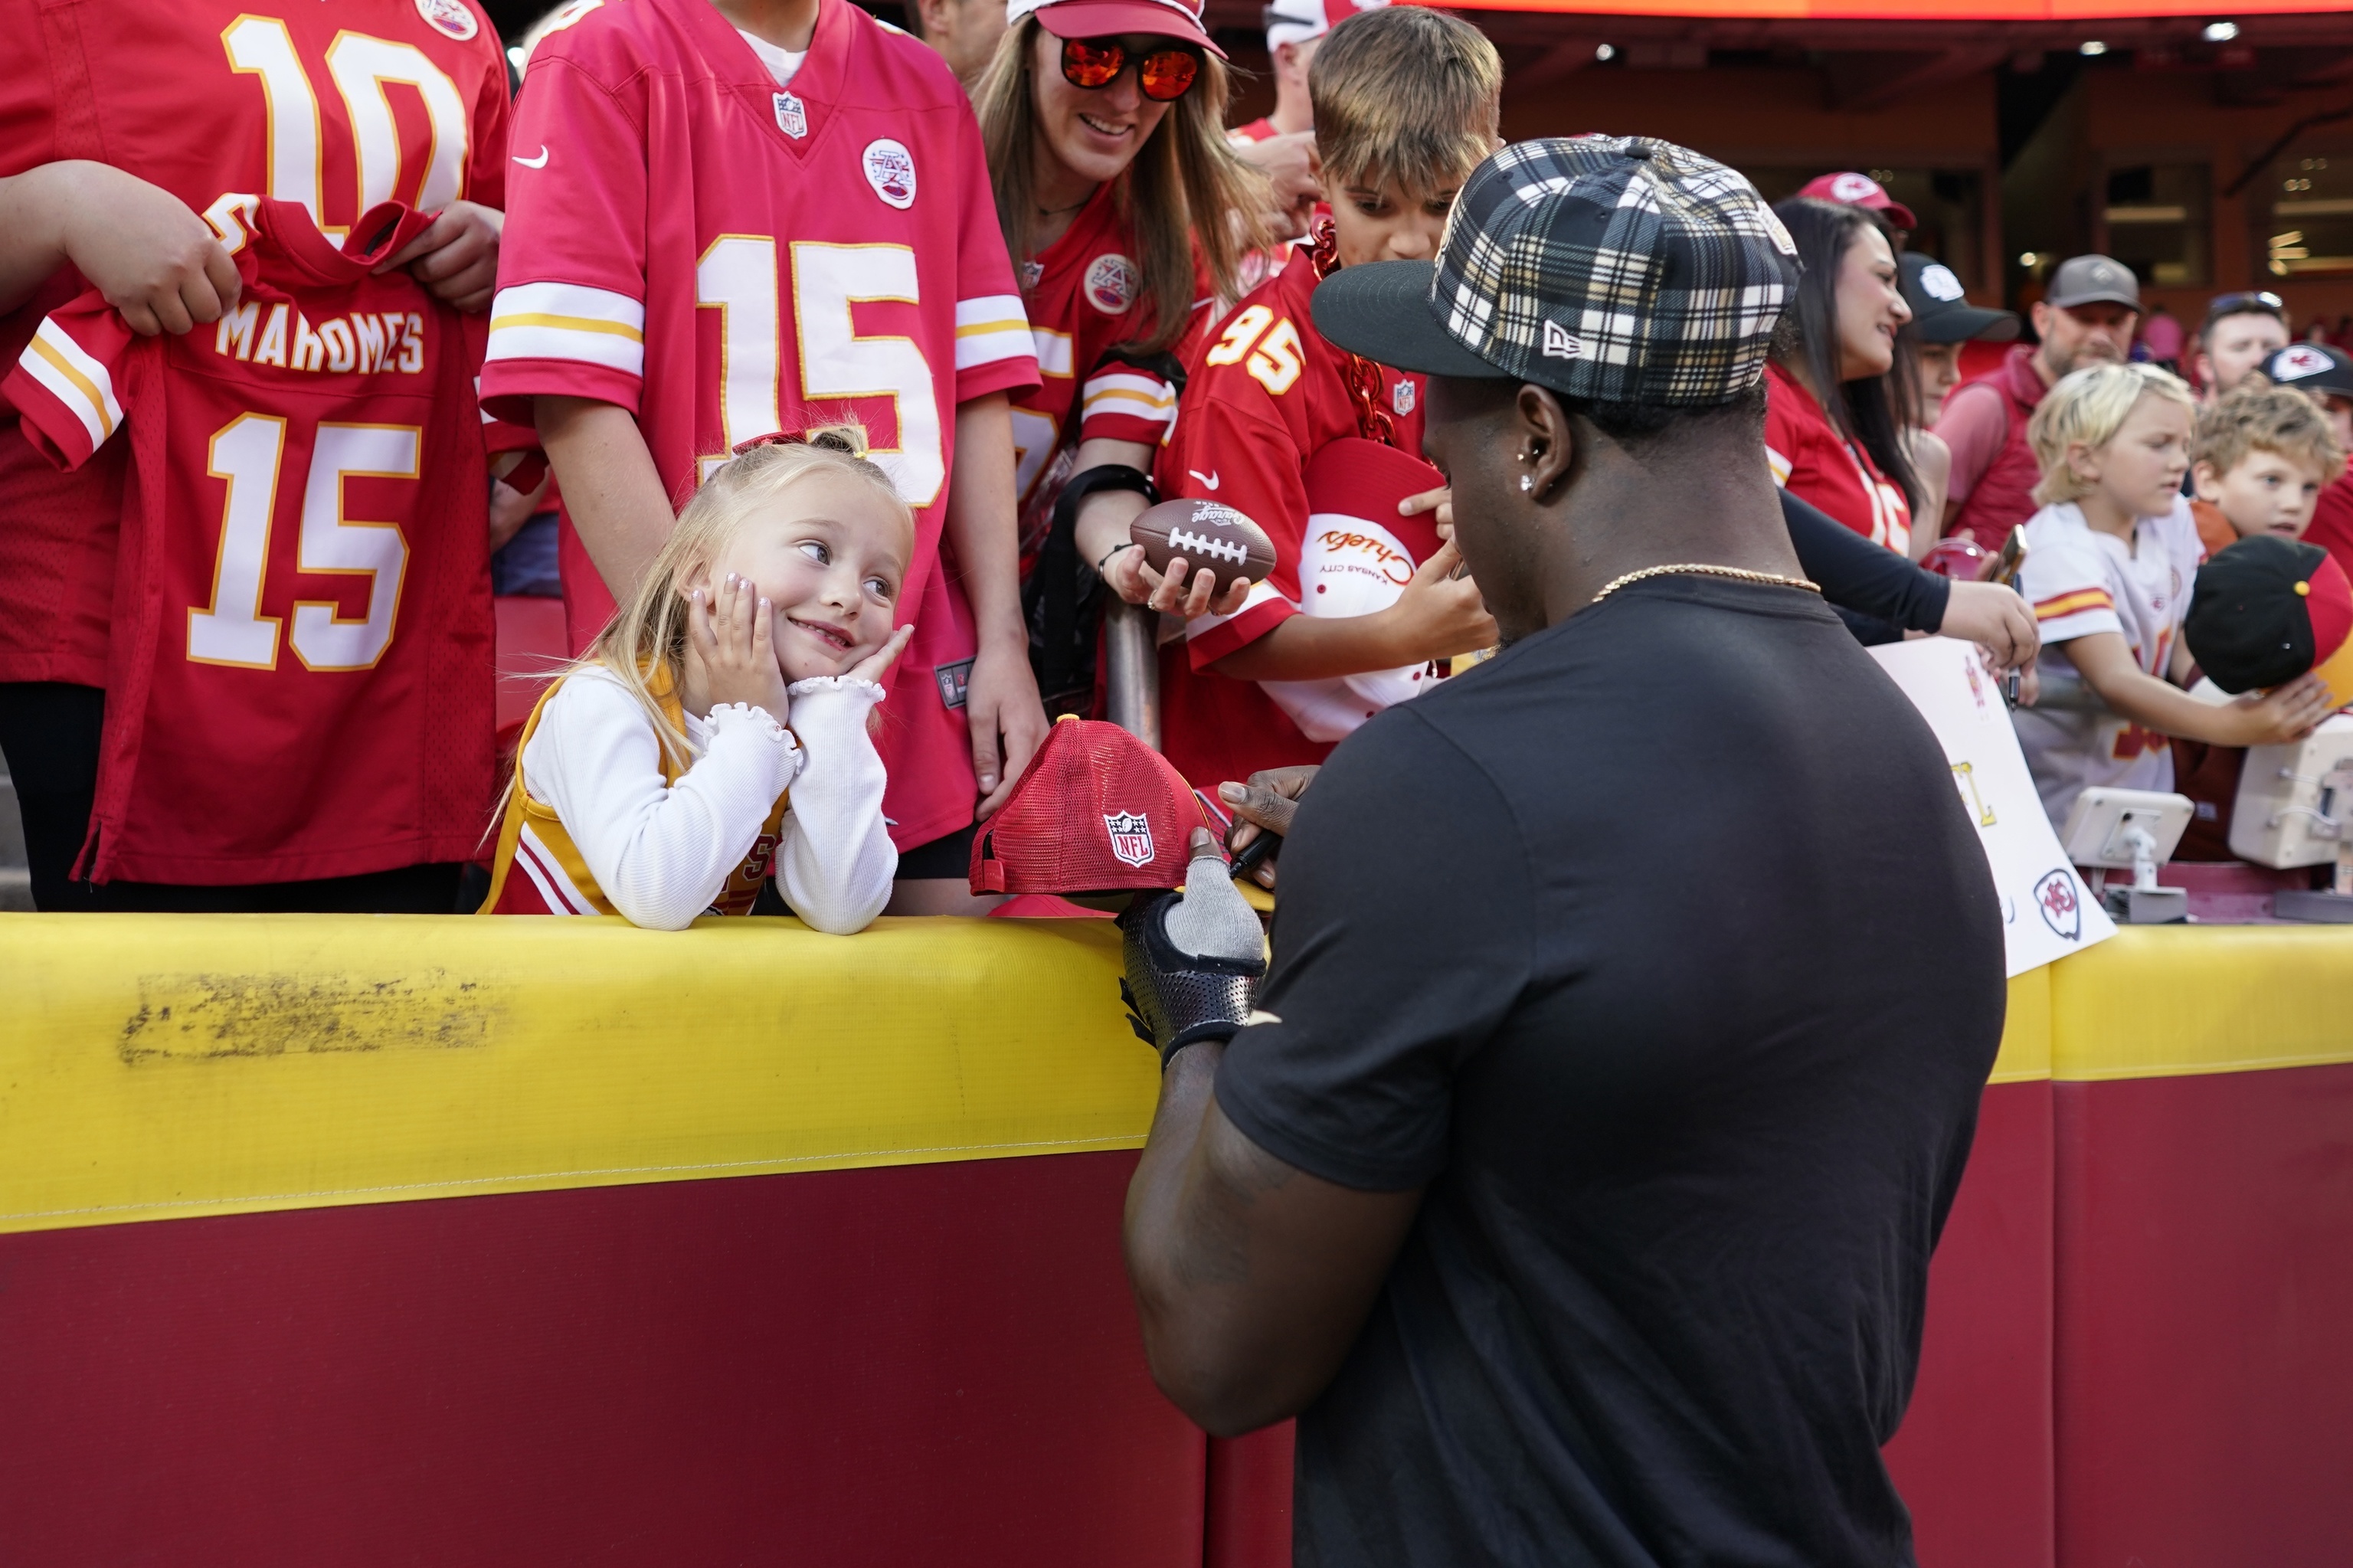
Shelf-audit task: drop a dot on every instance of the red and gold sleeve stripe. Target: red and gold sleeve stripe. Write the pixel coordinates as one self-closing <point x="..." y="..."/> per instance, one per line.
<point x="2072" y="603"/>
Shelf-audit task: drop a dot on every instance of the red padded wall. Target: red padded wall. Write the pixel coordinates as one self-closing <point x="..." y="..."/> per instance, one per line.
<point x="1249" y="1521"/>
<point x="2205" y="1320"/>
<point x="1974" y="1457"/>
<point x="930" y="1363"/>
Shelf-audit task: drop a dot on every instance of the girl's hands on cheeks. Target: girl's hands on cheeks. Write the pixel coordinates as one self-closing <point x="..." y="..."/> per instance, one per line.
<point x="729" y="634"/>
<point x="874" y="665"/>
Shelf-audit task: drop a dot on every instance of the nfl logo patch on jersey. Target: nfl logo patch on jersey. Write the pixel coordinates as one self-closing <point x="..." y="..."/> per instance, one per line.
<point x="450" y="18"/>
<point x="1111" y="283"/>
<point x="1131" y="837"/>
<point x="891" y="170"/>
<point x="1401" y="399"/>
<point x="792" y="118"/>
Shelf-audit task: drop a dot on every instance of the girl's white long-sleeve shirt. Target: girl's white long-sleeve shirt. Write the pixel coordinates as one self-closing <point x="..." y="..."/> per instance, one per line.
<point x="661" y="853"/>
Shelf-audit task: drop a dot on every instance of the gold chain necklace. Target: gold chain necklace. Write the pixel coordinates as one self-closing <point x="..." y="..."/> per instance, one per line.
<point x="1706" y="569"/>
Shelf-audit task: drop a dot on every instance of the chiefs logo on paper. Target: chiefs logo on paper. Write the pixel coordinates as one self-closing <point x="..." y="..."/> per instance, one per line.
<point x="1110" y="284"/>
<point x="2061" y="903"/>
<point x="1131" y="837"/>
<point x="451" y="18"/>
<point x="2297" y="361"/>
<point x="891" y="170"/>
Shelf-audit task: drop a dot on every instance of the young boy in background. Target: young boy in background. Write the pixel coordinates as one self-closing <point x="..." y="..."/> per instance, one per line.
<point x="2262" y="456"/>
<point x="1407" y="101"/>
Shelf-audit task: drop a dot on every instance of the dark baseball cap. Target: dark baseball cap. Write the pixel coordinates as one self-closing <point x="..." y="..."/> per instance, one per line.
<point x="2311" y="367"/>
<point x="2093" y="281"/>
<point x="2266" y="610"/>
<point x="1941" y="312"/>
<point x="1617" y="268"/>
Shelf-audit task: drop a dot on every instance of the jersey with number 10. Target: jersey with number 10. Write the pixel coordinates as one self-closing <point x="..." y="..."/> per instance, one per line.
<point x="299" y="680"/>
<point x="335" y="108"/>
<point x="726" y="258"/>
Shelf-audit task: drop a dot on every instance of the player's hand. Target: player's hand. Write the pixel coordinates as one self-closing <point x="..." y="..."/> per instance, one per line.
<point x="2283" y="714"/>
<point x="456" y="256"/>
<point x="877" y="664"/>
<point x="1266" y="804"/>
<point x="1007" y="721"/>
<point x="1440" y="614"/>
<point x="1170" y="595"/>
<point x="1294" y="175"/>
<point x="730" y="636"/>
<point x="142" y="246"/>
<point x="1441" y="501"/>
<point x="1997" y="619"/>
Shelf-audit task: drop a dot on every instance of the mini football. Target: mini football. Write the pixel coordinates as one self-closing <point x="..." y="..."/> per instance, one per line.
<point x="1206" y="533"/>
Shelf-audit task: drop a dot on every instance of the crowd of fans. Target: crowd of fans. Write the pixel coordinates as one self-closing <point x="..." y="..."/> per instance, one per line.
<point x="1032" y="289"/>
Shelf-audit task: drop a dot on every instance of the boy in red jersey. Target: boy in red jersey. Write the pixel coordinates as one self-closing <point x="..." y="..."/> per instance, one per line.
<point x="731" y="219"/>
<point x="1406" y="105"/>
<point x="118" y="136"/>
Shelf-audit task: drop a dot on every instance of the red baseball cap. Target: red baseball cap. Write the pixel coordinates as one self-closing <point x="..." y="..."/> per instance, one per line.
<point x="1107" y="18"/>
<point x="1096" y="810"/>
<point x="1851" y="189"/>
<point x="1296" y="21"/>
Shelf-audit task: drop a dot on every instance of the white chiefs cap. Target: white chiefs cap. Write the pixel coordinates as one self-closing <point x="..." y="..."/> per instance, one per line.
<point x="1296" y="21"/>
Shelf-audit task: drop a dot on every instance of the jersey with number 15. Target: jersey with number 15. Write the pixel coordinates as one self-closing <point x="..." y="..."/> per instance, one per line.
<point x="335" y="108"/>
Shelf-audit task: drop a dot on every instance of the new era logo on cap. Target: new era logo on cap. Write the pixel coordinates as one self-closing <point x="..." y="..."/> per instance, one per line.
<point x="1559" y="343"/>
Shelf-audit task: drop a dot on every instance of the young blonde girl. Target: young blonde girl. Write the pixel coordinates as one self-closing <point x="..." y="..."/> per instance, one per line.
<point x="2110" y="561"/>
<point x="658" y="780"/>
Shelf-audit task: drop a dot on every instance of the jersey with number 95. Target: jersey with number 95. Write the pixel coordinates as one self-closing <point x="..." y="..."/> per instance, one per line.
<point x="726" y="258"/>
<point x="334" y="107"/>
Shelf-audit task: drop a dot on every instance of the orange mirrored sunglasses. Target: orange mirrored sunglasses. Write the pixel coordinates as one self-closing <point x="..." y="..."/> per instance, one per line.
<point x="1164" y="74"/>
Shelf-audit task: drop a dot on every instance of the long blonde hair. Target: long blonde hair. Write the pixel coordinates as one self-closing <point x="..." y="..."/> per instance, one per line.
<point x="1185" y="186"/>
<point x="646" y="636"/>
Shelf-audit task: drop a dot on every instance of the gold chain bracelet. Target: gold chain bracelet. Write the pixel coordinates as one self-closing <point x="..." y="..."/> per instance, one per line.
<point x="1706" y="569"/>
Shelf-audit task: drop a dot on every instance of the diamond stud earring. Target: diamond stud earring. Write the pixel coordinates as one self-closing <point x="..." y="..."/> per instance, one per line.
<point x="1528" y="482"/>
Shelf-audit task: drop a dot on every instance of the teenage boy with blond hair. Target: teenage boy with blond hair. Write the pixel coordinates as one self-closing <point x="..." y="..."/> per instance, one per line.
<point x="2263" y="456"/>
<point x="1407" y="102"/>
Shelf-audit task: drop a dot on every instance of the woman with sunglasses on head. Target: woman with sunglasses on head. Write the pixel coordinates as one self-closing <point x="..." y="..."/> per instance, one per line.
<point x="1127" y="213"/>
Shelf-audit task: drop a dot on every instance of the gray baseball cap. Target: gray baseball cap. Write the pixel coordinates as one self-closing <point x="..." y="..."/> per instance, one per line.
<point x="1620" y="269"/>
<point x="2093" y="281"/>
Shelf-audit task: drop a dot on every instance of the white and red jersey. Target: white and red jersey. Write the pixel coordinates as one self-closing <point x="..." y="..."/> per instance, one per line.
<point x="2081" y="582"/>
<point x="1813" y="462"/>
<point x="726" y="258"/>
<point x="335" y="108"/>
<point x="299" y="678"/>
<point x="1259" y="130"/>
<point x="1265" y="392"/>
<point x="1085" y="304"/>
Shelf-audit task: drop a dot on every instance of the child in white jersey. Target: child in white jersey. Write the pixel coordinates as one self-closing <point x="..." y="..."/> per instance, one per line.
<point x="2109" y="564"/>
<point x="658" y="778"/>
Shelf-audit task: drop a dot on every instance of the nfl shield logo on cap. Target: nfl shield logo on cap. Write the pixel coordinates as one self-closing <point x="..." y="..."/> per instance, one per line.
<point x="1096" y="810"/>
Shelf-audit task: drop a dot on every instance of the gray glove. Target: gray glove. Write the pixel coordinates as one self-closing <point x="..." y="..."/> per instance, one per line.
<point x="1194" y="961"/>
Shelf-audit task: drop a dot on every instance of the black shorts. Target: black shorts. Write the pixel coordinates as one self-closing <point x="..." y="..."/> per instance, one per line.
<point x="943" y="858"/>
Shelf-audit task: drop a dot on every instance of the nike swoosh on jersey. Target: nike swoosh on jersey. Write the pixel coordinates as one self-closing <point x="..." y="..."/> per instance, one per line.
<point x="1209" y="481"/>
<point x="538" y="162"/>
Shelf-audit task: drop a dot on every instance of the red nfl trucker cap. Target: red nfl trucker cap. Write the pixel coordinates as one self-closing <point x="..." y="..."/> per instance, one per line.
<point x="1851" y="189"/>
<point x="1096" y="810"/>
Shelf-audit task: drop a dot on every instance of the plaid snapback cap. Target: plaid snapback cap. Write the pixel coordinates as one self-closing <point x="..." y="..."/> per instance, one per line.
<point x="1616" y="268"/>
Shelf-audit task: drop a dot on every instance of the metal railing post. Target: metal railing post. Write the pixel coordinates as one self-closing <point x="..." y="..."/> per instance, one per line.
<point x="1131" y="668"/>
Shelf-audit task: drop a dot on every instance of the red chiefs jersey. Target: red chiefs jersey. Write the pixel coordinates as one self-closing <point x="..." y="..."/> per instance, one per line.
<point x="1259" y="130"/>
<point x="725" y="258"/>
<point x="1264" y="394"/>
<point x="1814" y="463"/>
<point x="1086" y="301"/>
<point x="300" y="679"/>
<point x="336" y="107"/>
